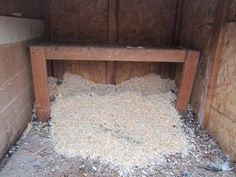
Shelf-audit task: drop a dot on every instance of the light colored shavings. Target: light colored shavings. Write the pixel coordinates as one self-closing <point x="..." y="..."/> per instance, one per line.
<point x="131" y="124"/>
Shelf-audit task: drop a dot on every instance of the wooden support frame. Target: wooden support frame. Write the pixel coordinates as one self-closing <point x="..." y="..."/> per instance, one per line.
<point x="40" y="54"/>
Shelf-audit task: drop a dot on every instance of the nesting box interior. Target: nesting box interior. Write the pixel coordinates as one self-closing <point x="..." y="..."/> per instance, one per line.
<point x="191" y="43"/>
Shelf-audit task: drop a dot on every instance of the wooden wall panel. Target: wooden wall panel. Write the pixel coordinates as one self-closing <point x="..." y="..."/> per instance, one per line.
<point x="16" y="93"/>
<point x="222" y="122"/>
<point x="140" y="23"/>
<point x="85" y="21"/>
<point x="92" y="70"/>
<point x="146" y="22"/>
<point x="125" y="71"/>
<point x="197" y="23"/>
<point x="27" y="8"/>
<point x="232" y="13"/>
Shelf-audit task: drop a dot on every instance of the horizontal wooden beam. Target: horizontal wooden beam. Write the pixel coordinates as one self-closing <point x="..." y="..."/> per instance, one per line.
<point x="115" y="54"/>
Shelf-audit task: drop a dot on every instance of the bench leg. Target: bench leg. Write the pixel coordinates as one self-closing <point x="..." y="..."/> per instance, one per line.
<point x="39" y="69"/>
<point x="188" y="76"/>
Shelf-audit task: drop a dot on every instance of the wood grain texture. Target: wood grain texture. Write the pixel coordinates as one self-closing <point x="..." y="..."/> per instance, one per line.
<point x="16" y="93"/>
<point x="213" y="58"/>
<point x="91" y="70"/>
<point x="95" y="53"/>
<point x="79" y="20"/>
<point x="139" y="22"/>
<point x="146" y="22"/>
<point x="25" y="8"/>
<point x="128" y="70"/>
<point x="39" y="68"/>
<point x="187" y="81"/>
<point x="222" y="120"/>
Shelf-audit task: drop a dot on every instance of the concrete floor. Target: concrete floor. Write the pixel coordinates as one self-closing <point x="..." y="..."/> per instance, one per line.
<point x="35" y="157"/>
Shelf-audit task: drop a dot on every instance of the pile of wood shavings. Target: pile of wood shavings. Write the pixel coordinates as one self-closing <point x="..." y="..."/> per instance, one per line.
<point x="131" y="124"/>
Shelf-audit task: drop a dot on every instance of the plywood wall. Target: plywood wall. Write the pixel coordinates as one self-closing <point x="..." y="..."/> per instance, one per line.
<point x="222" y="122"/>
<point x="139" y="23"/>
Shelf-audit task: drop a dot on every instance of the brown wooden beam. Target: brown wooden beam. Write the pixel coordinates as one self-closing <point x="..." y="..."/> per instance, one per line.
<point x="114" y="54"/>
<point x="40" y="79"/>
<point x="213" y="59"/>
<point x="187" y="81"/>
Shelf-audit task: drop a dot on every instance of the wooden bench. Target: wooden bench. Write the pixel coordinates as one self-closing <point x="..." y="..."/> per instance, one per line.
<point x="41" y="53"/>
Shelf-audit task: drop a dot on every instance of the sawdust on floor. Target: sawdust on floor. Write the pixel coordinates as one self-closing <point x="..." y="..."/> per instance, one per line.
<point x="130" y="124"/>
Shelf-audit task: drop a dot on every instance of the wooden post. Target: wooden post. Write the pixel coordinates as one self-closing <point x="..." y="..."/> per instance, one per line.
<point x="112" y="38"/>
<point x="187" y="81"/>
<point x="39" y="69"/>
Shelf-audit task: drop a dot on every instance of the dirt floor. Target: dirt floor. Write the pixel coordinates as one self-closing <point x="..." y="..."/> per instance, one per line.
<point x="33" y="155"/>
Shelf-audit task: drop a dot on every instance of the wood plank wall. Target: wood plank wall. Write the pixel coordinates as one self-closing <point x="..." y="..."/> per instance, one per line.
<point x="196" y="28"/>
<point x="16" y="88"/>
<point x="204" y="28"/>
<point x="139" y="23"/>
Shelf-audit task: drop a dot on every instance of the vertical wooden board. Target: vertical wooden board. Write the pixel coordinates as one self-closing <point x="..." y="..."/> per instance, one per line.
<point x="92" y="70"/>
<point x="128" y="70"/>
<point x="146" y="22"/>
<point x="187" y="81"/>
<point x="79" y="20"/>
<point x="39" y="69"/>
<point x="222" y="120"/>
<point x="16" y="93"/>
<point x="224" y="99"/>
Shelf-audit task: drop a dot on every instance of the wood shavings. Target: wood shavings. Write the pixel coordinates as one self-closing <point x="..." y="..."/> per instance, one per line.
<point x="131" y="124"/>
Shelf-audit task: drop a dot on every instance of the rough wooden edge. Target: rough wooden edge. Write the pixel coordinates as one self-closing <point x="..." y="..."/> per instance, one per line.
<point x="213" y="58"/>
<point x="187" y="81"/>
<point x="39" y="69"/>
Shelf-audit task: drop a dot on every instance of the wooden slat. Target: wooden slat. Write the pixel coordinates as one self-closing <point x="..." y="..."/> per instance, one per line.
<point x="187" y="81"/>
<point x="39" y="69"/>
<point x="114" y="54"/>
<point x="112" y="38"/>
